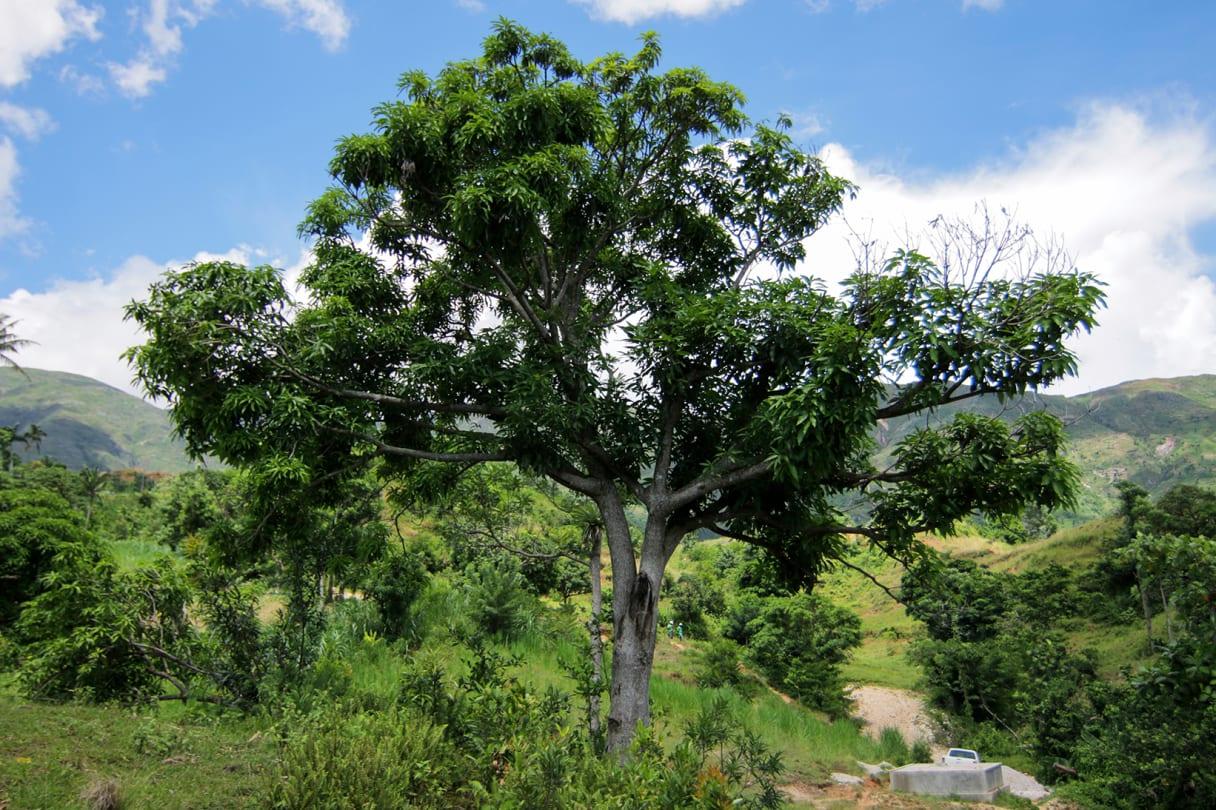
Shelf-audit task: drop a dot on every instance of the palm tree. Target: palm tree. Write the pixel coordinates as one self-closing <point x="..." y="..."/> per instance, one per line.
<point x="92" y="480"/>
<point x="10" y="343"/>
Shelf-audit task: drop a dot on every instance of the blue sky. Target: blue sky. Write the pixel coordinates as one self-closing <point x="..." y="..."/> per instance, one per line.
<point x="138" y="134"/>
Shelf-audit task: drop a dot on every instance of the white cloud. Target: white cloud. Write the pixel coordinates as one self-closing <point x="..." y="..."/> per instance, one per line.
<point x="78" y="326"/>
<point x="32" y="29"/>
<point x="164" y="38"/>
<point x="10" y="221"/>
<point x="28" y="122"/>
<point x="986" y="5"/>
<point x="325" y="18"/>
<point x="135" y="78"/>
<point x="632" y="11"/>
<point x="1124" y="188"/>
<point x="476" y="6"/>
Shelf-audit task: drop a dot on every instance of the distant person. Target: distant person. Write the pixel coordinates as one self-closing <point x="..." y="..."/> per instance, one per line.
<point x="680" y="630"/>
<point x="671" y="628"/>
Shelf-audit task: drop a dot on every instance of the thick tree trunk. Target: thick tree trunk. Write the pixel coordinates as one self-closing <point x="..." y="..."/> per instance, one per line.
<point x="635" y="613"/>
<point x="635" y="601"/>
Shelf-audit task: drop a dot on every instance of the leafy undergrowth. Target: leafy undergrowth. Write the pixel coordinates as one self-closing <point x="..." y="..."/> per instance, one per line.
<point x="51" y="753"/>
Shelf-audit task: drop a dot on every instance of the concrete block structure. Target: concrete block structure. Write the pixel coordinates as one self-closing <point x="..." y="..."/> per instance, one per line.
<point x="978" y="783"/>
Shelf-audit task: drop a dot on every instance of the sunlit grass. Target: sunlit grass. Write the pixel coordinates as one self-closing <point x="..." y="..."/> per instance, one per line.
<point x="132" y="554"/>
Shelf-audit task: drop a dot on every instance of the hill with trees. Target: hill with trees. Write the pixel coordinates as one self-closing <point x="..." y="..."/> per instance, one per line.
<point x="1155" y="433"/>
<point x="87" y="423"/>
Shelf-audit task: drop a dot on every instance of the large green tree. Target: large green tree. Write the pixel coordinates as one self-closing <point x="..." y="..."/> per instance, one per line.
<point x="586" y="268"/>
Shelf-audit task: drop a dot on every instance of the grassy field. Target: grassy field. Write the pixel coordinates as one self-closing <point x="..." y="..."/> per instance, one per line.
<point x="51" y="754"/>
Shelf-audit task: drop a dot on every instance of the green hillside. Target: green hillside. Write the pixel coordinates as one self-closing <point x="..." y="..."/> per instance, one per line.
<point x="1157" y="432"/>
<point x="89" y="423"/>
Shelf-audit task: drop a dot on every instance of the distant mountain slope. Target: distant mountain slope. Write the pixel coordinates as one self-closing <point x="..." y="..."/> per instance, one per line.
<point x="1157" y="432"/>
<point x="89" y="423"/>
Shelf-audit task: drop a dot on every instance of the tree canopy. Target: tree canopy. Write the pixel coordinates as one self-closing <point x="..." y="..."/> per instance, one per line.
<point x="593" y="270"/>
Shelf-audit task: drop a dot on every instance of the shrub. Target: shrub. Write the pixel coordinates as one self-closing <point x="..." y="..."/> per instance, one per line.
<point x="894" y="747"/>
<point x="394" y="585"/>
<point x="99" y="634"/>
<point x="35" y="524"/>
<point x="1152" y="741"/>
<point x="385" y="760"/>
<point x="799" y="643"/>
<point x="498" y="601"/>
<point x="719" y="665"/>
<point x="920" y="752"/>
<point x="690" y="599"/>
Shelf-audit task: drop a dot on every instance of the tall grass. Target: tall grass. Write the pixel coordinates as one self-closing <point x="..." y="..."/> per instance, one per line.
<point x="811" y="746"/>
<point x="132" y="554"/>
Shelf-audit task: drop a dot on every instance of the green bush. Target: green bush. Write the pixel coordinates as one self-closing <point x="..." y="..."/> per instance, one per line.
<point x="690" y="599"/>
<point x="35" y="524"/>
<point x="799" y="643"/>
<point x="719" y="666"/>
<point x="394" y="584"/>
<point x="920" y="752"/>
<point x="498" y="601"/>
<point x="894" y="747"/>
<point x="383" y="760"/>
<point x="95" y="633"/>
<point x="1152" y="740"/>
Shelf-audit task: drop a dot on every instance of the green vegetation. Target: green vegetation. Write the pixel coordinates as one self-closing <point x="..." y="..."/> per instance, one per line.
<point x="89" y="424"/>
<point x="50" y="754"/>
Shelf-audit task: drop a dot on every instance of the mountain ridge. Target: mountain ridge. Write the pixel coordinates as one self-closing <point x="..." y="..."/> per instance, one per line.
<point x="1157" y="432"/>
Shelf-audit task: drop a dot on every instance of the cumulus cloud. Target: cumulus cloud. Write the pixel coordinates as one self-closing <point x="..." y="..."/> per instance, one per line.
<point x="28" y="122"/>
<point x="86" y="84"/>
<point x="32" y="30"/>
<point x="78" y="325"/>
<point x="632" y="11"/>
<point x="1124" y="188"/>
<point x="135" y="79"/>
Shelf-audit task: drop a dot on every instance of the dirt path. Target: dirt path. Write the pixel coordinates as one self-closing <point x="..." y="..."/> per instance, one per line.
<point x="881" y="707"/>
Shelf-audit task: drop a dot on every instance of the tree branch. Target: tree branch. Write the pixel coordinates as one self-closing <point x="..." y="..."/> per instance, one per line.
<point x="425" y="455"/>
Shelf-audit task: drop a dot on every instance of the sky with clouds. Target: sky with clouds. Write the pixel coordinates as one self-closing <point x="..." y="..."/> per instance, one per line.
<point x="139" y="134"/>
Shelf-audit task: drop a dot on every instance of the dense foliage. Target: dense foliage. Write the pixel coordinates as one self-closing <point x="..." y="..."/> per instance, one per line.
<point x="995" y="655"/>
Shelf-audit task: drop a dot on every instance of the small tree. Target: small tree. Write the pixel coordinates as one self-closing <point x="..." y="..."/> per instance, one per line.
<point x="584" y="268"/>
